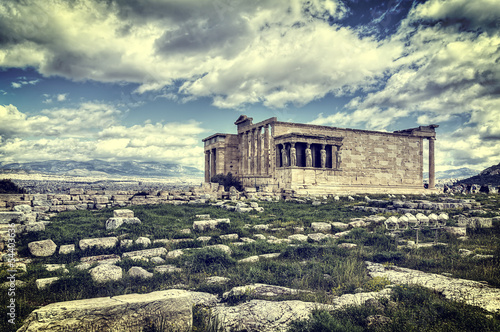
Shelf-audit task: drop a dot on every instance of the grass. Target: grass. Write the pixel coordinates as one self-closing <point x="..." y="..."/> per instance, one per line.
<point x="323" y="268"/>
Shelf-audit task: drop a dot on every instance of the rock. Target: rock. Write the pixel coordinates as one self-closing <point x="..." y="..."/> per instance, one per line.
<point x="114" y="223"/>
<point x="157" y="260"/>
<point x="357" y="224"/>
<point x="317" y="237"/>
<point x="35" y="227"/>
<point x="254" y="205"/>
<point x="348" y="245"/>
<point x="471" y="292"/>
<point x="146" y="252"/>
<point x="144" y="241"/>
<point x="101" y="259"/>
<point x="103" y="242"/>
<point x="139" y="272"/>
<point x="42" y="283"/>
<point x="217" y="280"/>
<point x="106" y="272"/>
<point x="127" y="313"/>
<point x="205" y="225"/>
<point x="298" y="237"/>
<point x="123" y="213"/>
<point x="24" y="208"/>
<point x="56" y="267"/>
<point x="175" y="253"/>
<point x="259" y="236"/>
<point x="167" y="269"/>
<point x="203" y="216"/>
<point x="221" y="247"/>
<point x="66" y="249"/>
<point x="124" y="243"/>
<point x="261" y="227"/>
<point x="229" y="237"/>
<point x="9" y="217"/>
<point x="251" y="259"/>
<point x="377" y="321"/>
<point x="42" y="248"/>
<point x="340" y="225"/>
<point x="261" y="290"/>
<point x="321" y="227"/>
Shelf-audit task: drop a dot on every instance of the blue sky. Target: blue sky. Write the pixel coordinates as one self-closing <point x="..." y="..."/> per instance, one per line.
<point x="146" y="80"/>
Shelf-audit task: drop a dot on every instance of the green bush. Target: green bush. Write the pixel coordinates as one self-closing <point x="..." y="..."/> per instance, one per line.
<point x="209" y="261"/>
<point x="9" y="187"/>
<point x="227" y="181"/>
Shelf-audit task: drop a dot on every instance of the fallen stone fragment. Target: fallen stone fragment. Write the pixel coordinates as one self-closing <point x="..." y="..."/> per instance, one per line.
<point x="42" y="248"/>
<point x="139" y="272"/>
<point x="103" y="243"/>
<point x="146" y="252"/>
<point x="45" y="282"/>
<point x="127" y="313"/>
<point x="106" y="272"/>
<point x="66" y="249"/>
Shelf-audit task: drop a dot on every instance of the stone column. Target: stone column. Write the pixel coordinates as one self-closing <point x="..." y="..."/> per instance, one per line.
<point x="267" y="154"/>
<point x="323" y="156"/>
<point x="254" y="151"/>
<point x="243" y="164"/>
<point x="249" y="152"/>
<point x="212" y="162"/>
<point x="293" y="154"/>
<point x="308" y="156"/>
<point x="258" y="159"/>
<point x="207" y="166"/>
<point x="432" y="181"/>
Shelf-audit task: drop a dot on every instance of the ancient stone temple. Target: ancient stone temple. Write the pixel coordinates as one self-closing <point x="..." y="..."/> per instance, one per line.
<point x="308" y="159"/>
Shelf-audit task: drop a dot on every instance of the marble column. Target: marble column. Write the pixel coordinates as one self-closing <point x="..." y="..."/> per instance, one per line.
<point x="249" y="152"/>
<point x="432" y="179"/>
<point x="243" y="164"/>
<point x="207" y="166"/>
<point x="267" y="154"/>
<point x="212" y="163"/>
<point x="258" y="159"/>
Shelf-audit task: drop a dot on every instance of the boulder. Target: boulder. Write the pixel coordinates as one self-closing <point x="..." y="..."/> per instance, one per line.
<point x="42" y="283"/>
<point x="66" y="249"/>
<point x="144" y="241"/>
<point x="106" y="272"/>
<point x="127" y="313"/>
<point x="139" y="272"/>
<point x="24" y="208"/>
<point x="321" y="227"/>
<point x="101" y="259"/>
<point x="261" y="290"/>
<point x="317" y="237"/>
<point x="42" y="248"/>
<point x="167" y="269"/>
<point x="298" y="237"/>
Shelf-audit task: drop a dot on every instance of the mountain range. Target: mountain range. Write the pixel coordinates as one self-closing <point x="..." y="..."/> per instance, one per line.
<point x="103" y="168"/>
<point x="490" y="175"/>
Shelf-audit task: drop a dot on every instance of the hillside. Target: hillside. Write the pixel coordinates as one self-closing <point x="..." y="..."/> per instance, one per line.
<point x="103" y="168"/>
<point x="490" y="175"/>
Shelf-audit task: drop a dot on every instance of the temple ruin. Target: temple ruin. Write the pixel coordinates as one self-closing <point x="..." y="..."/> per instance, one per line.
<point x="277" y="156"/>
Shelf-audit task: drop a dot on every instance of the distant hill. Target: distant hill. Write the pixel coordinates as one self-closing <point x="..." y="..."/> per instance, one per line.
<point x="104" y="168"/>
<point x="491" y="176"/>
<point x="459" y="173"/>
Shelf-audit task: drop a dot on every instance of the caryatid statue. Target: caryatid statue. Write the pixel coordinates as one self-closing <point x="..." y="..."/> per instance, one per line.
<point x="284" y="157"/>
<point x="293" y="155"/>
<point x="323" y="157"/>
<point x="309" y="159"/>
<point x="338" y="157"/>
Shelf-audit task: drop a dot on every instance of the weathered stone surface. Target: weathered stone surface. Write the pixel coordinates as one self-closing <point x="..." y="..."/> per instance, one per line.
<point x="157" y="260"/>
<point x="106" y="272"/>
<point x="101" y="259"/>
<point x="35" y="227"/>
<point x="348" y="245"/>
<point x="217" y="280"/>
<point x="127" y="313"/>
<point x="317" y="237"/>
<point x="123" y="213"/>
<point x="221" y="247"/>
<point x="102" y="242"/>
<point x="45" y="282"/>
<point x="267" y="316"/>
<point x="167" y="269"/>
<point x="114" y="223"/>
<point x="146" y="252"/>
<point x="340" y="225"/>
<point x="139" y="272"/>
<point x="321" y="227"/>
<point x="472" y="292"/>
<point x="42" y="248"/>
<point x="298" y="237"/>
<point x="204" y="225"/>
<point x="8" y="217"/>
<point x="261" y="290"/>
<point x="24" y="208"/>
<point x="229" y="237"/>
<point x="144" y="241"/>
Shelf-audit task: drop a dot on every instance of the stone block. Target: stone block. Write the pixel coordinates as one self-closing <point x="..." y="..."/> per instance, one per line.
<point x="106" y="272"/>
<point x="146" y="253"/>
<point x="103" y="242"/>
<point x="42" y="248"/>
<point x="11" y="217"/>
<point x="66" y="249"/>
<point x="45" y="282"/>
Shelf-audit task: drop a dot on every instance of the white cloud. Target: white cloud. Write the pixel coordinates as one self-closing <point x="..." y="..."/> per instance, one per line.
<point x="93" y="131"/>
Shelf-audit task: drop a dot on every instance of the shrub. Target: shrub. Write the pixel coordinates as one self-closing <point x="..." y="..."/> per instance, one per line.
<point x="9" y="187"/>
<point x="209" y="261"/>
<point x="227" y="181"/>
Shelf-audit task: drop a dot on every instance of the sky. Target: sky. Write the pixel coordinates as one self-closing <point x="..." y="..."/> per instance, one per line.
<point x="147" y="80"/>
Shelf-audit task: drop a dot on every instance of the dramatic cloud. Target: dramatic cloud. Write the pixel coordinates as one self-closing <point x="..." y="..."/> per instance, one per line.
<point x="92" y="131"/>
<point x="236" y="52"/>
